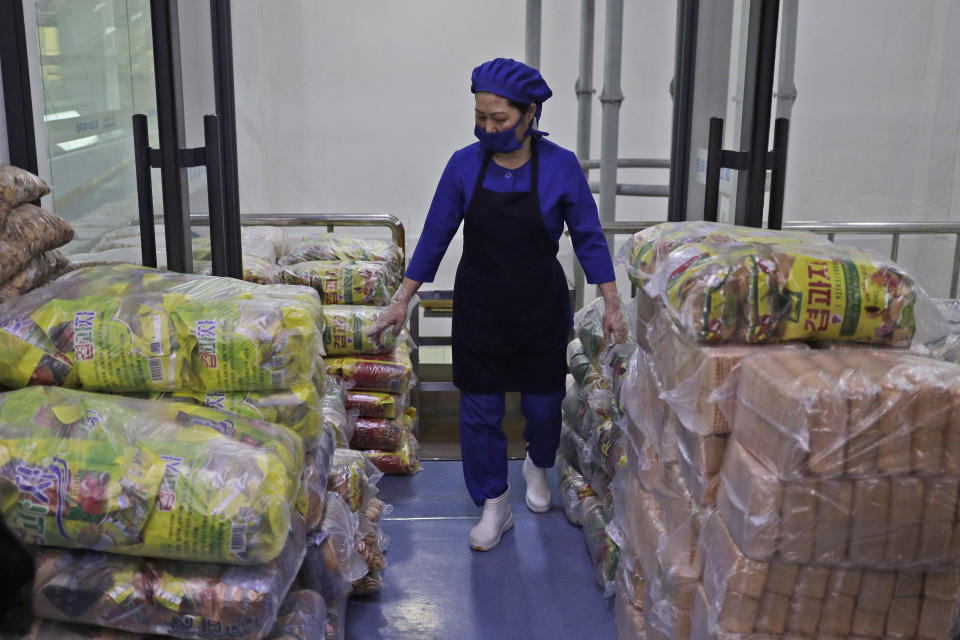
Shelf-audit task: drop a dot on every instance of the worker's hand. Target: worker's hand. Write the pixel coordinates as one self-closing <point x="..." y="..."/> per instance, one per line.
<point x="392" y="319"/>
<point x="614" y="325"/>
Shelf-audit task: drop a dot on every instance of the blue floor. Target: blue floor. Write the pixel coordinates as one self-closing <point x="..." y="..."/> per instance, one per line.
<point x="537" y="584"/>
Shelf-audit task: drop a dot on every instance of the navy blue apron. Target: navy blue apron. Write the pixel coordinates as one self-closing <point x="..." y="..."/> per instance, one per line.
<point x="511" y="305"/>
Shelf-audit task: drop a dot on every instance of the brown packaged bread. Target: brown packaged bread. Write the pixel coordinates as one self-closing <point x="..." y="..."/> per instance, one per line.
<point x="835" y="504"/>
<point x="906" y="511"/>
<point x="29" y="231"/>
<point x="931" y="420"/>
<point x="863" y="403"/>
<point x="909" y="584"/>
<point x="725" y="568"/>
<point x="782" y="578"/>
<point x="804" y="615"/>
<point x="812" y="582"/>
<point x="38" y="271"/>
<point x="845" y="582"/>
<point x="798" y="519"/>
<point x="738" y="612"/>
<point x="937" y="618"/>
<point x="894" y="452"/>
<point x="939" y="511"/>
<point x="749" y="499"/>
<point x="772" y="613"/>
<point x="871" y="511"/>
<point x="904" y="617"/>
<point x="873" y="603"/>
<point x="951" y="450"/>
<point x="942" y="585"/>
<point x="837" y="616"/>
<point x="18" y="186"/>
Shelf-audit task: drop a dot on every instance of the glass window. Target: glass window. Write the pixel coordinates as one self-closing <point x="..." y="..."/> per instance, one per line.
<point x="96" y="59"/>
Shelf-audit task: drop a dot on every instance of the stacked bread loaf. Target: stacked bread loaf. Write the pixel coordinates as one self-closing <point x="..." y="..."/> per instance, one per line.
<point x="786" y="491"/>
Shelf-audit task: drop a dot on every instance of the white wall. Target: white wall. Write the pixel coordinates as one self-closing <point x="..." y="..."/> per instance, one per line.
<point x="357" y="106"/>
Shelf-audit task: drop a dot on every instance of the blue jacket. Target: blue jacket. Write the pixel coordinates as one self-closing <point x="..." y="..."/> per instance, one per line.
<point x="565" y="198"/>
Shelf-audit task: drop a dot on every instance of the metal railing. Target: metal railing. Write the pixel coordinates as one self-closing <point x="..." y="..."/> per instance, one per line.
<point x="831" y="229"/>
<point x="328" y="220"/>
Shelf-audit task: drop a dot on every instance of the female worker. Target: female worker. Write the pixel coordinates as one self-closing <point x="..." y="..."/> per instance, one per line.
<point x="514" y="190"/>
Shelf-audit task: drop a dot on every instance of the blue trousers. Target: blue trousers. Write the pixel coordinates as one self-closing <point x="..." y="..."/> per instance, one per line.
<point x="483" y="444"/>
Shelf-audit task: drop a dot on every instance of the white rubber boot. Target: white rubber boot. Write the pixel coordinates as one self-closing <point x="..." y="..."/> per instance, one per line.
<point x="496" y="520"/>
<point x="538" y="491"/>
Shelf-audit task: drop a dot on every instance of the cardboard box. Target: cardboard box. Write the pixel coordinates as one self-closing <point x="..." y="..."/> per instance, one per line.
<point x="749" y="499"/>
<point x="837" y="616"/>
<point x="904" y="617"/>
<point x="831" y="533"/>
<point x="939" y="511"/>
<point x="798" y="520"/>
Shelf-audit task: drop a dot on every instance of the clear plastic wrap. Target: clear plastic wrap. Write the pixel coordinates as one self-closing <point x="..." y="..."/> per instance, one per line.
<point x="298" y="408"/>
<point x="646" y="415"/>
<point x="574" y="449"/>
<point x="604" y="552"/>
<point x="345" y="248"/>
<point x="642" y="255"/>
<point x="947" y="347"/>
<point x="40" y="270"/>
<point x="606" y="447"/>
<point x="261" y="241"/>
<point x="391" y="373"/>
<point x="256" y="269"/>
<point x="403" y="461"/>
<point x="302" y="616"/>
<point x="353" y="477"/>
<point x="378" y="404"/>
<point x="588" y="328"/>
<point x="28" y="232"/>
<point x="628" y="605"/>
<point x="660" y="525"/>
<point x="347" y="328"/>
<point x="335" y="414"/>
<point x="578" y="362"/>
<point x="316" y="469"/>
<point x="127" y="328"/>
<point x="378" y="433"/>
<point x="165" y="480"/>
<point x="337" y="619"/>
<point x="574" y="489"/>
<point x="351" y="283"/>
<point x="574" y="409"/>
<point x="180" y="599"/>
<point x="744" y="596"/>
<point x="846" y="458"/>
<point x="18" y="186"/>
<point x="759" y="293"/>
<point x="332" y="561"/>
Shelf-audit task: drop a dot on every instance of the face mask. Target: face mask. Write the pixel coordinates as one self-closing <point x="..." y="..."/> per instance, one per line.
<point x="501" y="141"/>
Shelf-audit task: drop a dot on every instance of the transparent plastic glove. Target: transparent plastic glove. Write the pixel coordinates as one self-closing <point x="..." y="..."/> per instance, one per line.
<point x="614" y="326"/>
<point x="393" y="318"/>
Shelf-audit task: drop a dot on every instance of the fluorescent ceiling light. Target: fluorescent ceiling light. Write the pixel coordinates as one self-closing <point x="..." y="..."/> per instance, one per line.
<point x="60" y="116"/>
<point x="79" y="143"/>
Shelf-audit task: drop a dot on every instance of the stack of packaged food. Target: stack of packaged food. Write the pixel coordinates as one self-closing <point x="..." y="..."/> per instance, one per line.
<point x="802" y="490"/>
<point x="191" y="504"/>
<point x="591" y="450"/>
<point x="29" y="235"/>
<point x="356" y="278"/>
<point x="259" y="257"/>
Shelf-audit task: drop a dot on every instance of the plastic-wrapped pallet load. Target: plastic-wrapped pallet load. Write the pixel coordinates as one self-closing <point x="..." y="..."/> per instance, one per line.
<point x="344" y="283"/>
<point x="40" y="270"/>
<point x="335" y="413"/>
<point x="390" y="373"/>
<point x="298" y="408"/>
<point x="165" y="597"/>
<point x="346" y="248"/>
<point x="317" y="463"/>
<point x="126" y="328"/>
<point x="347" y="329"/>
<point x="742" y="596"/>
<point x="165" y="480"/>
<point x="847" y="458"/>
<point x="574" y="489"/>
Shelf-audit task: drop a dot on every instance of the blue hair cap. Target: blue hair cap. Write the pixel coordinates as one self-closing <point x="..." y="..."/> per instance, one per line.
<point x="511" y="79"/>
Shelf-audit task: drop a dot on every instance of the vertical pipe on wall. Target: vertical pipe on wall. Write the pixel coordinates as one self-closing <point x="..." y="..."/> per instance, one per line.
<point x="610" y="98"/>
<point x="687" y="18"/>
<point x="532" y="41"/>
<point x="786" y="89"/>
<point x="584" y="85"/>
